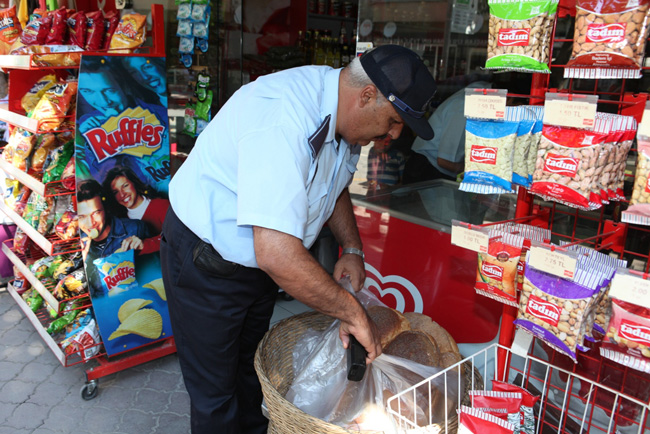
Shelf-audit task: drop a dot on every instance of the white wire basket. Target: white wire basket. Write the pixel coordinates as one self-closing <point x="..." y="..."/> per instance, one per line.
<point x="569" y="402"/>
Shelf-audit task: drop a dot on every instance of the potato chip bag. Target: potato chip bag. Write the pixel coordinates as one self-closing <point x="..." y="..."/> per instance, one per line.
<point x="21" y="242"/>
<point x="111" y="20"/>
<point x="71" y="285"/>
<point x="67" y="226"/>
<point x="54" y="105"/>
<point x="77" y="29"/>
<point x="129" y="33"/>
<point x="16" y="195"/>
<point x="117" y="271"/>
<point x="10" y="29"/>
<point x="36" y="30"/>
<point x="94" y="30"/>
<point x="56" y="36"/>
<point x="20" y="281"/>
<point x="33" y="96"/>
<point x="68" y="177"/>
<point x="45" y="143"/>
<point x="58" y="159"/>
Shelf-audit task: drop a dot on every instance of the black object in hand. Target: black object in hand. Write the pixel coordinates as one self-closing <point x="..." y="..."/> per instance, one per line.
<point x="356" y="360"/>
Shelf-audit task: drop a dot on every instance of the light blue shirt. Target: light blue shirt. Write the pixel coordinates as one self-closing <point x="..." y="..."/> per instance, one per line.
<point x="448" y="123"/>
<point x="260" y="163"/>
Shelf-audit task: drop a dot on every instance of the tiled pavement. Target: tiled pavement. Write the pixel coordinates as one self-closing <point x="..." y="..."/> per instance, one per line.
<point x="38" y="395"/>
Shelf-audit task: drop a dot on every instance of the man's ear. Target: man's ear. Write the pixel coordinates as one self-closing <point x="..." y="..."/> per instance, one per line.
<point x="368" y="93"/>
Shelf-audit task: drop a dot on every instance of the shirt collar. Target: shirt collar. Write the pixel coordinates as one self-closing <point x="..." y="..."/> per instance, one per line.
<point x="330" y="103"/>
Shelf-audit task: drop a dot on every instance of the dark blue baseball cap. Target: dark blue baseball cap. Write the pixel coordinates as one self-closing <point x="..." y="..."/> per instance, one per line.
<point x="405" y="81"/>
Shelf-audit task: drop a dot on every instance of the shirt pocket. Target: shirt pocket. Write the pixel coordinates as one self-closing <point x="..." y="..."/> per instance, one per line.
<point x="317" y="198"/>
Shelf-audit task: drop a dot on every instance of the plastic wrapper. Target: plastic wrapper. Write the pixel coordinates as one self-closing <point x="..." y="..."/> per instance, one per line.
<point x="46" y="215"/>
<point x="628" y="336"/>
<point x="67" y="227"/>
<point x="72" y="285"/>
<point x="526" y="119"/>
<point x="22" y="139"/>
<point x="111" y="20"/>
<point x="609" y="39"/>
<point x="70" y="313"/>
<point x="129" y="33"/>
<point x="58" y="160"/>
<point x="200" y="12"/>
<point x="45" y="143"/>
<point x="321" y="387"/>
<point x="24" y="145"/>
<point x="489" y="147"/>
<point x="94" y="30"/>
<point x="51" y="55"/>
<point x="16" y="195"/>
<point x="33" y="96"/>
<point x="200" y="30"/>
<point x="77" y="29"/>
<point x="117" y="272"/>
<point x="184" y="11"/>
<point x="36" y="30"/>
<point x="10" y="29"/>
<point x="20" y="282"/>
<point x="54" y="105"/>
<point x="21" y="242"/>
<point x="57" y="34"/>
<point x="473" y="421"/>
<point x="83" y="337"/>
<point x="496" y="275"/>
<point x="32" y="209"/>
<point x="520" y="35"/>
<point x="528" y="401"/>
<point x="33" y="299"/>
<point x="186" y="45"/>
<point x="42" y="267"/>
<point x="68" y="177"/>
<point x="504" y="405"/>
<point x="67" y="266"/>
<point x="184" y="28"/>
<point x="639" y="210"/>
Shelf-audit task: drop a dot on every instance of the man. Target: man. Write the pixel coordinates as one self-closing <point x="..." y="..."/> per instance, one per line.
<point x="105" y="234"/>
<point x="267" y="173"/>
<point x="444" y="155"/>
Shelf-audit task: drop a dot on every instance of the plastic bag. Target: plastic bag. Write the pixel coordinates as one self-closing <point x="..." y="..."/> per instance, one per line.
<point x="321" y="388"/>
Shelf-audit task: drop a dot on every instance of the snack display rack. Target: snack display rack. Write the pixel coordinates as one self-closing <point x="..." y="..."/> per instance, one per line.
<point x="23" y="71"/>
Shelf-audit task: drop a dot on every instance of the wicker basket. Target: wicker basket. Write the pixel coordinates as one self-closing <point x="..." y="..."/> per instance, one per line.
<point x="274" y="366"/>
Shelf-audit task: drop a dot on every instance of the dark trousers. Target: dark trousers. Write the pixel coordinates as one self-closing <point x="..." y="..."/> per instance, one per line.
<point x="219" y="312"/>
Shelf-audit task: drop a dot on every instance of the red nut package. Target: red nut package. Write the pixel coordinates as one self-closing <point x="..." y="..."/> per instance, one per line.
<point x="94" y="30"/>
<point x="473" y="421"/>
<point x="496" y="275"/>
<point x="56" y="36"/>
<point x="628" y="336"/>
<point x="111" y="20"/>
<point x="527" y="425"/>
<point x="37" y="29"/>
<point x="10" y="29"/>
<point x="639" y="210"/>
<point x="504" y="405"/>
<point x="77" y="29"/>
<point x="609" y="39"/>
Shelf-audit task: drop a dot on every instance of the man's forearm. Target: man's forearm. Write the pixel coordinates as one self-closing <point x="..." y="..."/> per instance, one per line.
<point x="343" y="224"/>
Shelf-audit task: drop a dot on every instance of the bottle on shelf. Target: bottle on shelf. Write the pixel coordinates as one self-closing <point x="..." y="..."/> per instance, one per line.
<point x="344" y="47"/>
<point x="309" y="49"/>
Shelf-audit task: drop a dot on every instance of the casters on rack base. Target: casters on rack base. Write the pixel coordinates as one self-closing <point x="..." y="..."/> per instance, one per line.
<point x="89" y="390"/>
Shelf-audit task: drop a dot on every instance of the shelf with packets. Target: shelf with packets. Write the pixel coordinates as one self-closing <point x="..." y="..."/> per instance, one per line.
<point x="36" y="126"/>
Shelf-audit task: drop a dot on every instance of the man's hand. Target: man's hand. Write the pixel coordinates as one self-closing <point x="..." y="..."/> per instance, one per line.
<point x="365" y="330"/>
<point x="351" y="265"/>
<point x="92" y="122"/>
<point x="85" y="247"/>
<point x="130" y="243"/>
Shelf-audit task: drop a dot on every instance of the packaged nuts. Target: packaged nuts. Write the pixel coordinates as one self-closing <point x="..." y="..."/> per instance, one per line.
<point x="520" y="34"/>
<point x="639" y="209"/>
<point x="609" y="39"/>
<point x="628" y="336"/>
<point x="497" y="268"/>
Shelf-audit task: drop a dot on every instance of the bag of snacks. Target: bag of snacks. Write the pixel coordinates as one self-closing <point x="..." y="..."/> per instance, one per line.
<point x="54" y="105"/>
<point x="639" y="210"/>
<point x="528" y="401"/>
<point x="83" y="337"/>
<point x="33" y="96"/>
<point x="504" y="405"/>
<point x="628" y="336"/>
<point x="45" y="143"/>
<point x="21" y="242"/>
<point x="67" y="227"/>
<point x="57" y="34"/>
<point x="58" y="159"/>
<point x="72" y="285"/>
<point x="33" y="299"/>
<point x="526" y="119"/>
<point x="609" y="39"/>
<point x="10" y="29"/>
<point x="473" y="421"/>
<point x="520" y="35"/>
<point x="129" y="33"/>
<point x="68" y="177"/>
<point x="20" y="282"/>
<point x="111" y="20"/>
<point x="16" y="195"/>
<point x="489" y="147"/>
<point x="36" y="30"/>
<point x="95" y="31"/>
<point x="77" y="29"/>
<point x="497" y="268"/>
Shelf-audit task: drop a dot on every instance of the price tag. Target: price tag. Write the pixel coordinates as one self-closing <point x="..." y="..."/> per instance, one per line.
<point x="644" y="126"/>
<point x="555" y="262"/>
<point x="469" y="239"/>
<point x="628" y="287"/>
<point x="491" y="105"/>
<point x="578" y="113"/>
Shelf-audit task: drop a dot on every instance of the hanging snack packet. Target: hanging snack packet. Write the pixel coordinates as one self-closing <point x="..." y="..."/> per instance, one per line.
<point x="520" y="35"/>
<point x="10" y="29"/>
<point x="628" y="336"/>
<point x="24" y="145"/>
<point x="528" y="401"/>
<point x="77" y="29"/>
<point x="184" y="11"/>
<point x="497" y="268"/>
<point x="20" y="282"/>
<point x="46" y="216"/>
<point x="609" y="39"/>
<point x="526" y="120"/>
<point x="622" y="152"/>
<point x="84" y="339"/>
<point x="68" y="179"/>
<point x="639" y="210"/>
<point x="58" y="159"/>
<point x="489" y="147"/>
<point x="33" y="299"/>
<point x="16" y="195"/>
<point x="111" y="20"/>
<point x="41" y="268"/>
<point x="45" y="143"/>
<point x="117" y="272"/>
<point x="129" y="33"/>
<point x="536" y="136"/>
<point x="72" y="285"/>
<point x="474" y="421"/>
<point x="504" y="405"/>
<point x="95" y="30"/>
<point x="33" y="96"/>
<point x="21" y="242"/>
<point x="31" y="212"/>
<point x="57" y="34"/>
<point x="67" y="227"/>
<point x="36" y="30"/>
<point x="54" y="105"/>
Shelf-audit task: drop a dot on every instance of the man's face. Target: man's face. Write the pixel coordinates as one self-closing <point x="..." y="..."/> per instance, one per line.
<point x="104" y="94"/>
<point x="92" y="218"/>
<point x="124" y="192"/>
<point x="147" y="73"/>
<point x="376" y="122"/>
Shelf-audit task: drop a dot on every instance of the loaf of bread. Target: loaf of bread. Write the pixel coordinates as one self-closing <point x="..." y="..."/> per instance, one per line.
<point x="416" y="346"/>
<point x="390" y="323"/>
<point x="423" y="323"/>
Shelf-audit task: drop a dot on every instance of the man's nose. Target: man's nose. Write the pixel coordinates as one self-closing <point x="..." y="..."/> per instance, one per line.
<point x="395" y="131"/>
